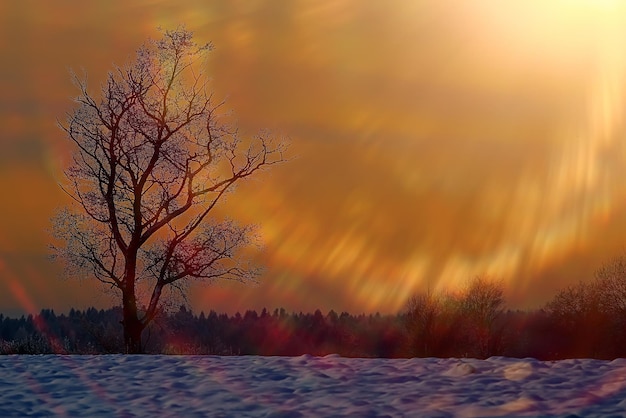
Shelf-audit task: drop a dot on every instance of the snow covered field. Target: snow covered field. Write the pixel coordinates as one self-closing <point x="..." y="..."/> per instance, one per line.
<point x="195" y="386"/>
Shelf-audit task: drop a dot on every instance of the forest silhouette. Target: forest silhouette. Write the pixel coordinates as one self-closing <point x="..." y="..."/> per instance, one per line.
<point x="582" y="321"/>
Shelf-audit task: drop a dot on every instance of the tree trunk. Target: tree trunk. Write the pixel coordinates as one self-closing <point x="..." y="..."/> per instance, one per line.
<point x="134" y="341"/>
<point x="132" y="326"/>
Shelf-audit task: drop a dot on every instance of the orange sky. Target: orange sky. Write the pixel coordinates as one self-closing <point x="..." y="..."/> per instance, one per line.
<point x="434" y="141"/>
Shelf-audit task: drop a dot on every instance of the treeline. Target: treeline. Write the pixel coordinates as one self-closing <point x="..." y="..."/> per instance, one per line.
<point x="587" y="320"/>
<point x="584" y="320"/>
<point x="278" y="333"/>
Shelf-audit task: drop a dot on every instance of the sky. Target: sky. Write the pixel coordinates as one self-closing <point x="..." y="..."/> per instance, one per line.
<point x="430" y="142"/>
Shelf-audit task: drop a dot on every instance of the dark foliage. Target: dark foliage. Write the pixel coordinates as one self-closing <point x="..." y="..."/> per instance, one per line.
<point x="277" y="333"/>
<point x="582" y="321"/>
<point x="542" y="334"/>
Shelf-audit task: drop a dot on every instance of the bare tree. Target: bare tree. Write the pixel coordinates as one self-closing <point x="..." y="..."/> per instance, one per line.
<point x="611" y="300"/>
<point x="151" y="161"/>
<point x="422" y="312"/>
<point x="575" y="304"/>
<point x="581" y="320"/>
<point x="611" y="285"/>
<point x="481" y="304"/>
<point x="483" y="300"/>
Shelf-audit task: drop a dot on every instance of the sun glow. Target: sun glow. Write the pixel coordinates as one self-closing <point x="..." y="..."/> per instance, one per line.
<point x="564" y="185"/>
<point x="549" y="215"/>
<point x="435" y="140"/>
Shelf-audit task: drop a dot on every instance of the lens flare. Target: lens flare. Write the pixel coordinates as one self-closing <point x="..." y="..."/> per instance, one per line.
<point x="16" y="289"/>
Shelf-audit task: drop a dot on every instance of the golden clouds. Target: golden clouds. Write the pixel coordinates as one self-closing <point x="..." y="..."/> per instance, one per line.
<point x="435" y="140"/>
<point x="472" y="139"/>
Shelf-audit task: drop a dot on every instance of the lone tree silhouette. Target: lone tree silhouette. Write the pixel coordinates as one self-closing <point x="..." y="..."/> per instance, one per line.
<point x="151" y="161"/>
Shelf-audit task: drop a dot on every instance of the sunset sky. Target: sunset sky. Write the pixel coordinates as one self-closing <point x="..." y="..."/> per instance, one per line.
<point x="432" y="141"/>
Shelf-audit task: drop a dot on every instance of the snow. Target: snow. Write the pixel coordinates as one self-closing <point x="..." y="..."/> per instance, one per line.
<point x="306" y="386"/>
